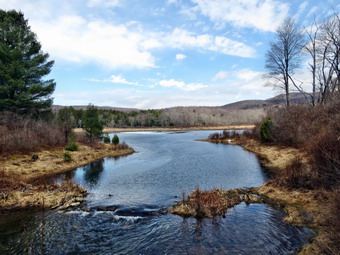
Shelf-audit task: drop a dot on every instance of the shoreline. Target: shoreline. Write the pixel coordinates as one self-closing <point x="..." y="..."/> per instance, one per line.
<point x="161" y="129"/>
<point x="302" y="207"/>
<point x="19" y="172"/>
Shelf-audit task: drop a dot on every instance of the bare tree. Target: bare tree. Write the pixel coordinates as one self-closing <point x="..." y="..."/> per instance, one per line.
<point x="283" y="57"/>
<point x="312" y="49"/>
<point x="329" y="58"/>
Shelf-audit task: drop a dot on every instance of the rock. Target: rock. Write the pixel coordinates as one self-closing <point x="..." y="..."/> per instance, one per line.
<point x="86" y="209"/>
<point x="75" y="204"/>
<point x="35" y="157"/>
<point x="111" y="208"/>
<point x="142" y="212"/>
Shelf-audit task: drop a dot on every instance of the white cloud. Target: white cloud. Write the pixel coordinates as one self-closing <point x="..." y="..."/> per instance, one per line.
<point x="180" y="56"/>
<point x="75" y="39"/>
<point x="181" y="38"/>
<point x="181" y="85"/>
<point x="221" y="75"/>
<point x="243" y="75"/>
<point x="264" y="15"/>
<point x="118" y="79"/>
<point x="172" y="83"/>
<point x="248" y="75"/>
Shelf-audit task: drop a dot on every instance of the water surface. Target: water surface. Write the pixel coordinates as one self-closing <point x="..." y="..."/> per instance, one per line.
<point x="166" y="166"/>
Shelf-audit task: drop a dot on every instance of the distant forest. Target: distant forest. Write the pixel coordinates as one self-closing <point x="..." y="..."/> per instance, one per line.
<point x="178" y="116"/>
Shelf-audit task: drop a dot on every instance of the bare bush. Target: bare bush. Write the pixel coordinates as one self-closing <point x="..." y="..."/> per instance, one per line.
<point x="333" y="212"/>
<point x="121" y="146"/>
<point x="317" y="131"/>
<point x="324" y="150"/>
<point x="225" y="134"/>
<point x="20" y="134"/>
<point x="297" y="175"/>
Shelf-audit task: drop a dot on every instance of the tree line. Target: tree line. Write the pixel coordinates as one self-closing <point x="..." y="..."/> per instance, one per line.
<point x="170" y="117"/>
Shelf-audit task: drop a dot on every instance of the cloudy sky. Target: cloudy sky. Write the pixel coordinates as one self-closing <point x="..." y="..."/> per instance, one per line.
<point x="161" y="53"/>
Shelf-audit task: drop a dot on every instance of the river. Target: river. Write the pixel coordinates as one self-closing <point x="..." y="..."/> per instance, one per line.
<point x="166" y="167"/>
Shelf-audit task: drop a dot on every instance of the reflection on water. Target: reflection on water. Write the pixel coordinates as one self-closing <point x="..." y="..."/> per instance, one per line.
<point x="92" y="172"/>
<point x="140" y="186"/>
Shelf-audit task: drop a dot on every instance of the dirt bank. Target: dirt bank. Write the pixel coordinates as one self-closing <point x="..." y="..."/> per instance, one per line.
<point x="19" y="172"/>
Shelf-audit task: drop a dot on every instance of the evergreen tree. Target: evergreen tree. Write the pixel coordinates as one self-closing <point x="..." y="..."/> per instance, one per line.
<point x="92" y="125"/>
<point x="22" y="66"/>
<point x="115" y="139"/>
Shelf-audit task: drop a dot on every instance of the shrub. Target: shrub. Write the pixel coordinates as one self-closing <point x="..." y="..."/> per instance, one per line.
<point x="71" y="147"/>
<point x="265" y="130"/>
<point x="297" y="175"/>
<point x="324" y="151"/>
<point x="214" y="136"/>
<point x="316" y="130"/>
<point x="67" y="156"/>
<point x="115" y="139"/>
<point x="225" y="134"/>
<point x="106" y="139"/>
<point x="122" y="146"/>
<point x="20" y="134"/>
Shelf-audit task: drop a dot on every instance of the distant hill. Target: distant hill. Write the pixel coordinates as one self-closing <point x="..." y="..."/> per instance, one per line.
<point x="83" y="107"/>
<point x="295" y="98"/>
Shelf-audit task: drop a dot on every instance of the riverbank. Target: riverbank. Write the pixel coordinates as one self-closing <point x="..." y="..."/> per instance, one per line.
<point x="303" y="207"/>
<point x="174" y="129"/>
<point x="23" y="180"/>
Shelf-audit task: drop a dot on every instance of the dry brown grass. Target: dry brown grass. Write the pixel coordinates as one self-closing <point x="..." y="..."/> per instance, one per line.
<point x="210" y="203"/>
<point x="22" y="195"/>
<point x="317" y="208"/>
<point x="272" y="156"/>
<point x="17" y="172"/>
<point x="51" y="162"/>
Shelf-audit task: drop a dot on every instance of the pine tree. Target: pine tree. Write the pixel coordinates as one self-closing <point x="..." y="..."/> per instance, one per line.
<point x="92" y="125"/>
<point x="22" y="67"/>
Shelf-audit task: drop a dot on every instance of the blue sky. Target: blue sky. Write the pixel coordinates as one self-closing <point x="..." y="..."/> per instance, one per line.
<point x="161" y="53"/>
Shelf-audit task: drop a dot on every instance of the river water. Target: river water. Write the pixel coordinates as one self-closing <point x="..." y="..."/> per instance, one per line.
<point x="166" y="167"/>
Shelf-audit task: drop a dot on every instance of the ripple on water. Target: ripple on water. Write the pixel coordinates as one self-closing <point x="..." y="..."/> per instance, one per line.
<point x="166" y="166"/>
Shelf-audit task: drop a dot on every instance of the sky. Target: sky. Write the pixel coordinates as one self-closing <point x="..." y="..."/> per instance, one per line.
<point x="149" y="54"/>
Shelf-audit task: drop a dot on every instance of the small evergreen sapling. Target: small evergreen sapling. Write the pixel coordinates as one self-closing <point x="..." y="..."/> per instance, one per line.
<point x="115" y="139"/>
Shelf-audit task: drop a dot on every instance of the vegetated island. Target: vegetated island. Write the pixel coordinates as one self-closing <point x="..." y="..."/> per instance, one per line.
<point x="24" y="177"/>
